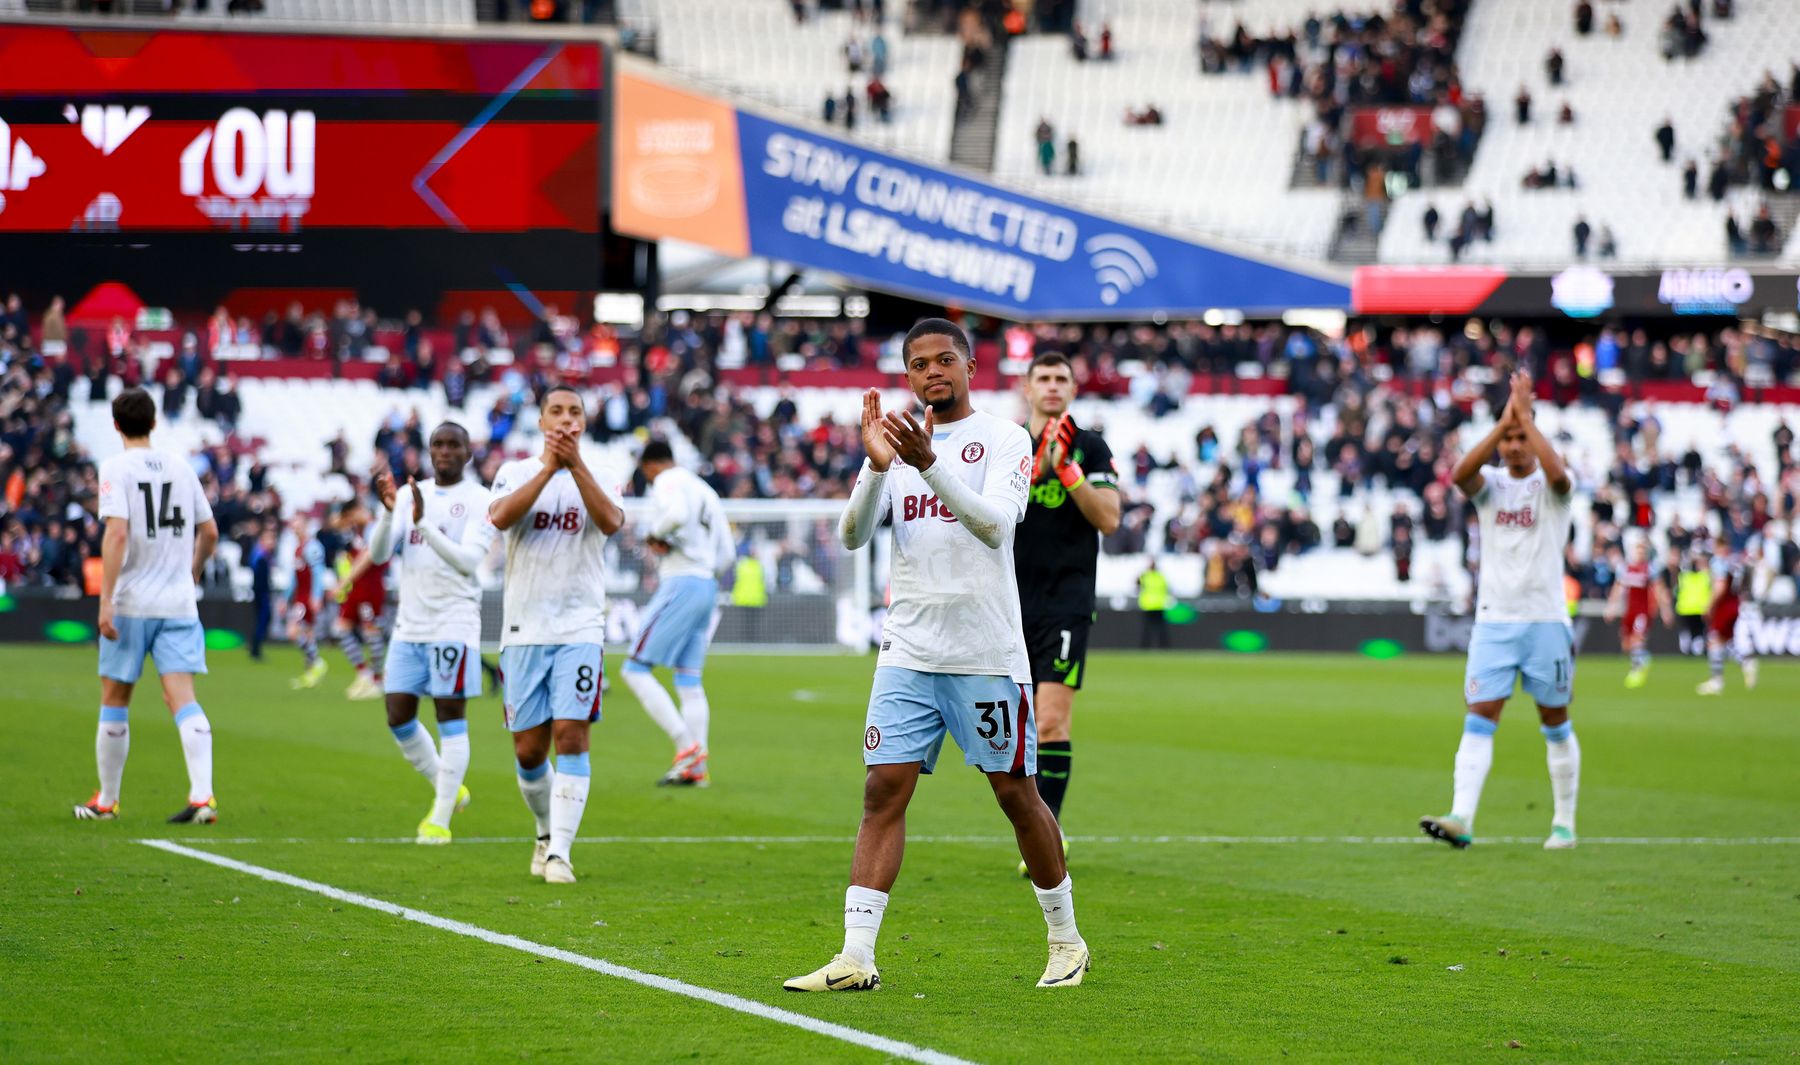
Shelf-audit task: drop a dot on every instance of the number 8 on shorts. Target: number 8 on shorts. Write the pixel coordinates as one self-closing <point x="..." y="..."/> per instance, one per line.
<point x="551" y="681"/>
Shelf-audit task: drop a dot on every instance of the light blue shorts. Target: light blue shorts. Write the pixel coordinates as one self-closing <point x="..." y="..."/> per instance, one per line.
<point x="440" y="670"/>
<point x="678" y="624"/>
<point x="990" y="718"/>
<point x="178" y="645"/>
<point x="558" y="681"/>
<point x="1540" y="653"/>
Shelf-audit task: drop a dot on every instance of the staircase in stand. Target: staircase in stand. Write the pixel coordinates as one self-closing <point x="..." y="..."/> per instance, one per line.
<point x="977" y="128"/>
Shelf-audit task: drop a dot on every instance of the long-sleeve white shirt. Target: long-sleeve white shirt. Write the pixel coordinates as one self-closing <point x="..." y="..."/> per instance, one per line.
<point x="955" y="600"/>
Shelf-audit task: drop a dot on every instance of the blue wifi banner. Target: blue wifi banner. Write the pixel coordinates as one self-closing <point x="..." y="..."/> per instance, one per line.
<point x="834" y="205"/>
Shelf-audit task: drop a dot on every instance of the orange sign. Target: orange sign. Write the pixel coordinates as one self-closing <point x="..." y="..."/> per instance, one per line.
<point x="676" y="168"/>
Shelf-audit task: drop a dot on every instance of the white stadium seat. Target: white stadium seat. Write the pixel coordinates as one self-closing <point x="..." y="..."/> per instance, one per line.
<point x="1623" y="182"/>
<point x="754" y="49"/>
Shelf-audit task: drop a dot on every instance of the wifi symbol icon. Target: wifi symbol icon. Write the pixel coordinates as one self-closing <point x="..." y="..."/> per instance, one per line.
<point x="1120" y="265"/>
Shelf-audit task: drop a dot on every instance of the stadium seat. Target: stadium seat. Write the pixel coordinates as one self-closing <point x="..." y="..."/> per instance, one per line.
<point x="1219" y="166"/>
<point x="405" y="13"/>
<point x="295" y="418"/>
<point x="754" y="49"/>
<point x="1623" y="182"/>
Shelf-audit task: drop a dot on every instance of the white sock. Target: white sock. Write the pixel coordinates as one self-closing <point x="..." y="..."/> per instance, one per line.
<point x="1059" y="910"/>
<point x="112" y="742"/>
<point x="658" y="705"/>
<point x="415" y="743"/>
<point x="196" y="746"/>
<point x="1474" y="757"/>
<point x="1562" y="751"/>
<point x="695" y="710"/>
<point x="863" y="908"/>
<point x="568" y="800"/>
<point x="534" y="786"/>
<point x="453" y="765"/>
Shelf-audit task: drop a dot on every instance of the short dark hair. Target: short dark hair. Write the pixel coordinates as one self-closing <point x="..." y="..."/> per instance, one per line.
<point x="553" y="389"/>
<point x="1048" y="358"/>
<point x="657" y="450"/>
<point x="455" y="427"/>
<point x="934" y="327"/>
<point x="134" y="412"/>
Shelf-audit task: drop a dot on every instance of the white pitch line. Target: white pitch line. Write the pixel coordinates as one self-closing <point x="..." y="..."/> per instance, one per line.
<point x="840" y="1032"/>
<point x="1636" y="841"/>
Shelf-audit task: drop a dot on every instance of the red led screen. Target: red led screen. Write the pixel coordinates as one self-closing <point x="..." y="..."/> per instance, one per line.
<point x="177" y="130"/>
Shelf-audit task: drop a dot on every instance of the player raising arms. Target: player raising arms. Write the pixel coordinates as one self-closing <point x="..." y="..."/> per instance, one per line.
<point x="1635" y="592"/>
<point x="952" y="651"/>
<point x="436" y="649"/>
<point x="690" y="535"/>
<point x="1730" y="585"/>
<point x="159" y="533"/>
<point x="1521" y="622"/>
<point x="556" y="518"/>
<point x="1074" y="501"/>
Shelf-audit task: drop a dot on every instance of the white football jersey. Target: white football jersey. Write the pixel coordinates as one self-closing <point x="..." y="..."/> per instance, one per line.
<point x="1524" y="529"/>
<point x="687" y="513"/>
<point x="555" y="566"/>
<point x="162" y="501"/>
<point x="955" y="601"/>
<point x="437" y="603"/>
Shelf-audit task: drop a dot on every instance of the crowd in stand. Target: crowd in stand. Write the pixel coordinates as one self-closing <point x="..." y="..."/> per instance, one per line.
<point x="1381" y="408"/>
<point x="47" y="487"/>
<point x="1346" y="59"/>
<point x="865" y="64"/>
<point x="172" y="7"/>
<point x="1755" y="150"/>
<point x="49" y="531"/>
<point x="1471" y="225"/>
<point x="1381" y="436"/>
<point x="1683" y="34"/>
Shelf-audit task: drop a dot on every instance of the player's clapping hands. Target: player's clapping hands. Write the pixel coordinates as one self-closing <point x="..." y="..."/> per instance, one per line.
<point x="418" y="500"/>
<point x="564" y="450"/>
<point x="910" y="439"/>
<point x="1057" y="447"/>
<point x="874" y="436"/>
<point x="384" y="483"/>
<point x="1522" y="395"/>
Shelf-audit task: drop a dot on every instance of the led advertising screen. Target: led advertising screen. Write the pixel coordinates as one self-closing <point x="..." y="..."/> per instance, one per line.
<point x="188" y="161"/>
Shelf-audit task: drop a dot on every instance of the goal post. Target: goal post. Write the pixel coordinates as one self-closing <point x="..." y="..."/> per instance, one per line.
<point x="792" y="586"/>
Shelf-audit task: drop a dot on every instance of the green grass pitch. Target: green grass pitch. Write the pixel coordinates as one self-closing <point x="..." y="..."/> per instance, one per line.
<point x="1248" y="951"/>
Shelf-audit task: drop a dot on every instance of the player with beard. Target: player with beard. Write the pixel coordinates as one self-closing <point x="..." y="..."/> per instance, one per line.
<point x="952" y="651"/>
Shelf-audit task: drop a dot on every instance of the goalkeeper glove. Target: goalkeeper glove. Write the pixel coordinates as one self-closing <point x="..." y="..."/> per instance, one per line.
<point x="1067" y="471"/>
